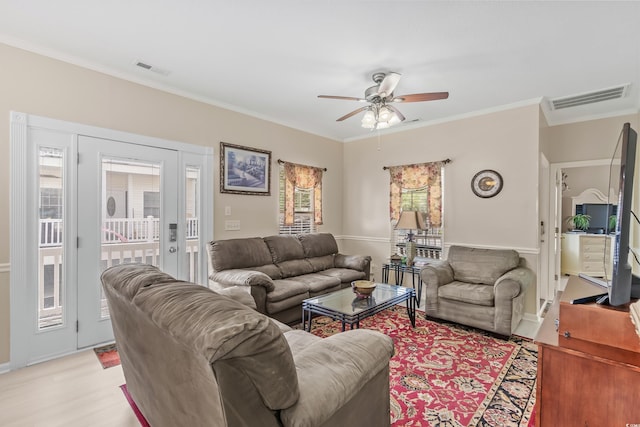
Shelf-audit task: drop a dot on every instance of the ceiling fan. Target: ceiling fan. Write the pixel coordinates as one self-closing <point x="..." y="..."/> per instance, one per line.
<point x="379" y="113"/>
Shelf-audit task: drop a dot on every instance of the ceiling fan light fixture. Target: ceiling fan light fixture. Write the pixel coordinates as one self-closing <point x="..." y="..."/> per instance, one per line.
<point x="394" y="120"/>
<point x="369" y="119"/>
<point x="384" y="114"/>
<point x="380" y="114"/>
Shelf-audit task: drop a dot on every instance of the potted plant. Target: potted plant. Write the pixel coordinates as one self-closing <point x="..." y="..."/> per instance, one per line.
<point x="613" y="220"/>
<point x="579" y="221"/>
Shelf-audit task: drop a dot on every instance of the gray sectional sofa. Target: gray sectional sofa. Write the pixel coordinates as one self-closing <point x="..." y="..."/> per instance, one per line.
<point x="192" y="357"/>
<point x="281" y="271"/>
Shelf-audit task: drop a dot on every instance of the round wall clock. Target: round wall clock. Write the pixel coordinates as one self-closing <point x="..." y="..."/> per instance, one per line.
<point x="486" y="183"/>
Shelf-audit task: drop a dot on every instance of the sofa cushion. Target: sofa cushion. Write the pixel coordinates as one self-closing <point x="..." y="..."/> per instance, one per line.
<point x="295" y="268"/>
<point x="284" y="248"/>
<point x="345" y="275"/>
<point x="286" y="288"/>
<point x="238" y="253"/>
<point x="177" y="316"/>
<point x="319" y="283"/>
<point x="293" y="302"/>
<point x="270" y="270"/>
<point x="318" y="244"/>
<point x="471" y="293"/>
<point x="475" y="265"/>
<point x="320" y="263"/>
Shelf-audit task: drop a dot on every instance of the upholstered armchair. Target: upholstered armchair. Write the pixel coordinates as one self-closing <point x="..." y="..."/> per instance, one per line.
<point x="483" y="288"/>
<point x="192" y="357"/>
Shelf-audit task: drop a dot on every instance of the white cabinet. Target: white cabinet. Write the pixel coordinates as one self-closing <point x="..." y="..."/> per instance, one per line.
<point x="586" y="253"/>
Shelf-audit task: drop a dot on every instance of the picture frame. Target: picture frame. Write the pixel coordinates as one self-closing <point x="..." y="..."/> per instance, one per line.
<point x="244" y="170"/>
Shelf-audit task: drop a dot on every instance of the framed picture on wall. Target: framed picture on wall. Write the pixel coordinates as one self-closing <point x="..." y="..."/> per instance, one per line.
<point x="244" y="170"/>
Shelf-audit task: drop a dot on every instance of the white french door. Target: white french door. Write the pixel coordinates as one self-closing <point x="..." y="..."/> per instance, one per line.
<point x="84" y="199"/>
<point x="128" y="203"/>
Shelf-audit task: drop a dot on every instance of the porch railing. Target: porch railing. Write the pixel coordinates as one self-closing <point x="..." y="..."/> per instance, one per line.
<point x="124" y="240"/>
<point x="116" y="230"/>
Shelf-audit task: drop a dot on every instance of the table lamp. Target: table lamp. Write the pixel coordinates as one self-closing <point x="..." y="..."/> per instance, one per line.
<point x="410" y="220"/>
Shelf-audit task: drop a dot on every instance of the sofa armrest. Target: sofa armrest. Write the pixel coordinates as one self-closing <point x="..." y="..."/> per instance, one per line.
<point x="355" y="262"/>
<point x="332" y="370"/>
<point x="437" y="274"/>
<point x="433" y="276"/>
<point x="513" y="283"/>
<point x="240" y="277"/>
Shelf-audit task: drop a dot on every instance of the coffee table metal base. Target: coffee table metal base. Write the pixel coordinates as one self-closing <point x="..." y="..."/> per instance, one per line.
<point x="310" y="308"/>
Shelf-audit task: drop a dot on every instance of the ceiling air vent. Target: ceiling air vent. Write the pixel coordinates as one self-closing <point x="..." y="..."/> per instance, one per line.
<point x="590" y="97"/>
<point x="153" y="68"/>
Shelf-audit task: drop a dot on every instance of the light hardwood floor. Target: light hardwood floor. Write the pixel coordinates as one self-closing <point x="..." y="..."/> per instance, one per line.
<point x="73" y="391"/>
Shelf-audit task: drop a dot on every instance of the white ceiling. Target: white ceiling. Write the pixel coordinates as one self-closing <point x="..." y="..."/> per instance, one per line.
<point x="271" y="59"/>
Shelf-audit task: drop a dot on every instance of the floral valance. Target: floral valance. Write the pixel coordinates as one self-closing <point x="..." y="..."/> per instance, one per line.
<point x="416" y="176"/>
<point x="304" y="177"/>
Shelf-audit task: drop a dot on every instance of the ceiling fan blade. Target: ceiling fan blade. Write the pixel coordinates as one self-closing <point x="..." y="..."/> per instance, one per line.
<point x="398" y="113"/>
<point x="388" y="85"/>
<point x="419" y="97"/>
<point x="353" y="113"/>
<point x="344" y="98"/>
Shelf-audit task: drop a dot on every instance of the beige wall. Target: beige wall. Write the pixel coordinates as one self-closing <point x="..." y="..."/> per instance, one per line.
<point x="506" y="141"/>
<point x="590" y="140"/>
<point x="38" y="85"/>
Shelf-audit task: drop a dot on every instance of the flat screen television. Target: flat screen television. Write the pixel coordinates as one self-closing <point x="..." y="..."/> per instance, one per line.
<point x="620" y="282"/>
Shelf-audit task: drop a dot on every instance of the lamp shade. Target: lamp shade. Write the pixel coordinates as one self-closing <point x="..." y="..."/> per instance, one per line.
<point x="411" y="220"/>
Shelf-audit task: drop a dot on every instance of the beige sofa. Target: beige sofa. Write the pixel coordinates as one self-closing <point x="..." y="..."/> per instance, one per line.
<point x="483" y="288"/>
<point x="192" y="357"/>
<point x="281" y="271"/>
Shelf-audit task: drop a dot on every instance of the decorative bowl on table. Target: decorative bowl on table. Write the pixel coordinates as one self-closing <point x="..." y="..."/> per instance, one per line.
<point x="363" y="288"/>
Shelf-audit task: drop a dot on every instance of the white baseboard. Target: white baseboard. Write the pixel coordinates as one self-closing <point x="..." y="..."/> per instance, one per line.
<point x="4" y="368"/>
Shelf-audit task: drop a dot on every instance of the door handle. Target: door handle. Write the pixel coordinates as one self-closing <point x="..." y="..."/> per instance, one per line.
<point x="173" y="249"/>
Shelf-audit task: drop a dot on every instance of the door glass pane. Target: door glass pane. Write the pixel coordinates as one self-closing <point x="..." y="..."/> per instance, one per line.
<point x="130" y="215"/>
<point x="50" y="245"/>
<point x="192" y="208"/>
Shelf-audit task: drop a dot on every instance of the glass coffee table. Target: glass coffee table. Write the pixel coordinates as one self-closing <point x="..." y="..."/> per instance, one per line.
<point x="344" y="305"/>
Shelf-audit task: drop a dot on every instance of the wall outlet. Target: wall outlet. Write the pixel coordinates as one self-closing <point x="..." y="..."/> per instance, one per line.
<point x="232" y="225"/>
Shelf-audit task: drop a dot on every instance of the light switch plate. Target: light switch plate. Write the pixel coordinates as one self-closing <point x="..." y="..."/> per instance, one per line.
<point x="227" y="210"/>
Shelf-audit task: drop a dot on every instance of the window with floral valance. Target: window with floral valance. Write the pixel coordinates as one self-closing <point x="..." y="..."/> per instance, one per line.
<point x="305" y="178"/>
<point x="418" y="187"/>
<point x="413" y="177"/>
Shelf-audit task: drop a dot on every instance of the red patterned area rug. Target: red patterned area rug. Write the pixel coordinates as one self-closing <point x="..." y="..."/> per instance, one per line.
<point x="446" y="375"/>
<point x="107" y="355"/>
<point x="134" y="407"/>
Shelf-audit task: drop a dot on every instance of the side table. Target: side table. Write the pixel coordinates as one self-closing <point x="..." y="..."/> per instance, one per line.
<point x="398" y="271"/>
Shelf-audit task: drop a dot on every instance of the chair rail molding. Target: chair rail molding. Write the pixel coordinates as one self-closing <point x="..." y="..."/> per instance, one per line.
<point x="365" y="238"/>
<point x="5" y="267"/>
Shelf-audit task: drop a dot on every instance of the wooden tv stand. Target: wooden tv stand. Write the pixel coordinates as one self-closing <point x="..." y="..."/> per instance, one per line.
<point x="589" y="367"/>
